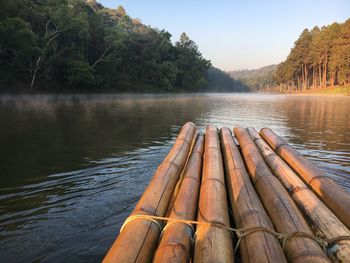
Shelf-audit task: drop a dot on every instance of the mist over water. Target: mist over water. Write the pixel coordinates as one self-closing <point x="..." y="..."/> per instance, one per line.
<point x="74" y="166"/>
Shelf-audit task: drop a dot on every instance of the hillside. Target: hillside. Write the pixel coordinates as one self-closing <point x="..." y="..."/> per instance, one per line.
<point x="219" y="81"/>
<point x="256" y="79"/>
<point x="77" y="45"/>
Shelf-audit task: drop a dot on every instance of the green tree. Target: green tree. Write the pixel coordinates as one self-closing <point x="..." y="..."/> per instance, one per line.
<point x="323" y="52"/>
<point x="339" y="61"/>
<point x="192" y="67"/>
<point x="18" y="45"/>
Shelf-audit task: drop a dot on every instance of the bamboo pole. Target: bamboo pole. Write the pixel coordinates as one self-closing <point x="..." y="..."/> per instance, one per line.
<point x="139" y="237"/>
<point x="333" y="195"/>
<point x="179" y="182"/>
<point x="321" y="220"/>
<point x="248" y="211"/>
<point x="283" y="212"/>
<point x="213" y="243"/>
<point x="175" y="244"/>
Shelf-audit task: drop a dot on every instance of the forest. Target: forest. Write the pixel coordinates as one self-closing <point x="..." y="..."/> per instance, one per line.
<point x="76" y="45"/>
<point x="320" y="58"/>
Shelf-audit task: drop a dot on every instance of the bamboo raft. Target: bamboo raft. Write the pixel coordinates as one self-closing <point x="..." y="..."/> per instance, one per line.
<point x="212" y="200"/>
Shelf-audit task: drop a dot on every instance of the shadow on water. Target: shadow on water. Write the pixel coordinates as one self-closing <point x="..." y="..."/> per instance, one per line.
<point x="107" y="149"/>
<point x="73" y="167"/>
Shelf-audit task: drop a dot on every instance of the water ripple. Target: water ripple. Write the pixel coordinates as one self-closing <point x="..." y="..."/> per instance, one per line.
<point x="50" y="210"/>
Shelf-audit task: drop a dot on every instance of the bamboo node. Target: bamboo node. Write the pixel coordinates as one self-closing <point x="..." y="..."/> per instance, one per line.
<point x="279" y="146"/>
<point x="318" y="177"/>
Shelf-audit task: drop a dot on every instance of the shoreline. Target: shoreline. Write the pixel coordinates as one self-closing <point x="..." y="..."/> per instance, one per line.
<point x="330" y="91"/>
<point x="337" y="91"/>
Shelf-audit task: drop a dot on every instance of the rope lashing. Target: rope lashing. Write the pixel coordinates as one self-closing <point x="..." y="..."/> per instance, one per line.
<point x="240" y="232"/>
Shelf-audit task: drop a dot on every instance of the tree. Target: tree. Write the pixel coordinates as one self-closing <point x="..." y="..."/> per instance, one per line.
<point x="192" y="66"/>
<point x="18" y="44"/>
<point x="325" y="52"/>
<point x="314" y="58"/>
<point x="339" y="62"/>
<point x="57" y="21"/>
<point x="184" y="39"/>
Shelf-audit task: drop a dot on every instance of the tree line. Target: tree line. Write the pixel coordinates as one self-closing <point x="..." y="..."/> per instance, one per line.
<point x="320" y="58"/>
<point x="81" y="45"/>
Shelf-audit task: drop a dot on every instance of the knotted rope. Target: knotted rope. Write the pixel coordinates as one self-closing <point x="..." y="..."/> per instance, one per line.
<point x="240" y="232"/>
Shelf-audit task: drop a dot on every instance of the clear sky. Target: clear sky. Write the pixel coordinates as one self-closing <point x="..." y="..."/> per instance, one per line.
<point x="237" y="34"/>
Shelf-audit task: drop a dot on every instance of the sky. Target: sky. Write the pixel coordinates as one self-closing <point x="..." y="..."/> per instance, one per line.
<point x="237" y="34"/>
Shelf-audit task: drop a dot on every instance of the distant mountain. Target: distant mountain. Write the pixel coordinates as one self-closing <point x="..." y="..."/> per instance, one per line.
<point x="220" y="81"/>
<point x="256" y="79"/>
<point x="248" y="73"/>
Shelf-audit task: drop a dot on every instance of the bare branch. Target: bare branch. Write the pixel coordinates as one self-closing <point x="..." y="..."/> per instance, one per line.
<point x="50" y="37"/>
<point x="102" y="57"/>
<point x="47" y="27"/>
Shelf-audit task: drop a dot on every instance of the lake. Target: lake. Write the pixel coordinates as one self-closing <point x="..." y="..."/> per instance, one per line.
<point x="74" y="166"/>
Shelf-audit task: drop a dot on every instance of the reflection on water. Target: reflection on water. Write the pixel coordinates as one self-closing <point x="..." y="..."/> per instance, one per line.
<point x="73" y="167"/>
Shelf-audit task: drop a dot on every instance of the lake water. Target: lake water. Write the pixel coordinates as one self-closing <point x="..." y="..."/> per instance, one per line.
<point x="73" y="167"/>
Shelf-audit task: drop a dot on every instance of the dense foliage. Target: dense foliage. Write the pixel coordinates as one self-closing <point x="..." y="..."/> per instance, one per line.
<point x="80" y="45"/>
<point x="256" y="79"/>
<point x="319" y="58"/>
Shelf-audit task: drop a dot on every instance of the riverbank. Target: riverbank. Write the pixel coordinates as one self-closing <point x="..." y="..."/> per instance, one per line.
<point x="330" y="91"/>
